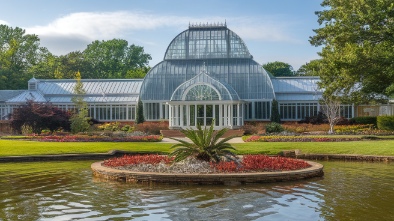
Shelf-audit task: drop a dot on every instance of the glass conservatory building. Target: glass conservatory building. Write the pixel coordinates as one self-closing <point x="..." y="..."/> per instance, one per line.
<point x="207" y="73"/>
<point x="207" y="77"/>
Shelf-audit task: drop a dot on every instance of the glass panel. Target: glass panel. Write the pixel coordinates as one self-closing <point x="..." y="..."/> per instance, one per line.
<point x="216" y="115"/>
<point x="209" y="114"/>
<point x="200" y="115"/>
<point x="184" y="115"/>
<point x="192" y="115"/>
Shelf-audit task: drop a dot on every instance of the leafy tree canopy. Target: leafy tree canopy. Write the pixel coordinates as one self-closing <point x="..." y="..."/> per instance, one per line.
<point x="19" y="52"/>
<point x="114" y="58"/>
<point x="21" y="58"/>
<point x="358" y="48"/>
<point x="279" y="69"/>
<point x="311" y="68"/>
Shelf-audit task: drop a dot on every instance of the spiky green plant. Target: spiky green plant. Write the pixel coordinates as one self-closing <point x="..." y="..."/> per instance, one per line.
<point x="205" y="145"/>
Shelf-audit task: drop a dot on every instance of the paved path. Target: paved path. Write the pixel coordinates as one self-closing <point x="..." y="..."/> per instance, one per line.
<point x="234" y="140"/>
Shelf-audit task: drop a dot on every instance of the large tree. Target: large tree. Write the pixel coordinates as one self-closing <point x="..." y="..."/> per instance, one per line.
<point x="358" y="48"/>
<point x="114" y="59"/>
<point x="19" y="52"/>
<point x="279" y="69"/>
<point x="312" y="68"/>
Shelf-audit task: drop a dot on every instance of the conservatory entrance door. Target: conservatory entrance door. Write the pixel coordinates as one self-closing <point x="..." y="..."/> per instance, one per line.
<point x="190" y="114"/>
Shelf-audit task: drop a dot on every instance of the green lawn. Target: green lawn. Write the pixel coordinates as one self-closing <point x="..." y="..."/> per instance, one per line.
<point x="20" y="148"/>
<point x="381" y="147"/>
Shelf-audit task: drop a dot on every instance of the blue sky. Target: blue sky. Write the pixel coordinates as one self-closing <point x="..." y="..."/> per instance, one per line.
<point x="273" y="30"/>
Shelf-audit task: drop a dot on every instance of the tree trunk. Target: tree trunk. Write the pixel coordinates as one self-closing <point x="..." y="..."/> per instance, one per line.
<point x="331" y="131"/>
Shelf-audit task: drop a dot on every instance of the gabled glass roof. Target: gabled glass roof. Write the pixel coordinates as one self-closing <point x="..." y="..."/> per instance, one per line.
<point x="297" y="88"/>
<point x="206" y="42"/>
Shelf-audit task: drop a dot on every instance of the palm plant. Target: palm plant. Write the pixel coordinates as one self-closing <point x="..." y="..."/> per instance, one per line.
<point x="205" y="145"/>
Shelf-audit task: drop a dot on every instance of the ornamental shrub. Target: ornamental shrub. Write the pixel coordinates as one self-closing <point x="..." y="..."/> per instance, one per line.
<point x="273" y="128"/>
<point x="250" y="129"/>
<point x="364" y="120"/>
<point x="275" y="116"/>
<point x="385" y="122"/>
<point x="36" y="117"/>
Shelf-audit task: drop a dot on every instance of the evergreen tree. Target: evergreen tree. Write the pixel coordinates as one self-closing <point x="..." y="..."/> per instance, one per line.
<point x="275" y="116"/>
<point x="140" y="113"/>
<point x="79" y="119"/>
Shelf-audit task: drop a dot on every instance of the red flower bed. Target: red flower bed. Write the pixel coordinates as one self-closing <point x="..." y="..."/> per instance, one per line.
<point x="85" y="138"/>
<point x="249" y="163"/>
<point x="261" y="163"/>
<point x="137" y="159"/>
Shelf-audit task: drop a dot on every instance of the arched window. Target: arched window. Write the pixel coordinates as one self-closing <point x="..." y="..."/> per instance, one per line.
<point x="202" y="92"/>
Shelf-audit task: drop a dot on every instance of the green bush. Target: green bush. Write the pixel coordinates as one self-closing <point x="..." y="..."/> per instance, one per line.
<point x="250" y="129"/>
<point x="273" y="127"/>
<point x="364" y="120"/>
<point x="385" y="122"/>
<point x="127" y="128"/>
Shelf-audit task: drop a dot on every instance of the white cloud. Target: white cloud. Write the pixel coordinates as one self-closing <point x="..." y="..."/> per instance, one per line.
<point x="104" y="25"/>
<point x="75" y="31"/>
<point x="4" y="22"/>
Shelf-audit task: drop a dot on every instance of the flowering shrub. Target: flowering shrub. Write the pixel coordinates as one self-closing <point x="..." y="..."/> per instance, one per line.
<point x="112" y="126"/>
<point x="359" y="129"/>
<point x="297" y="139"/>
<point x="137" y="159"/>
<point x="95" y="138"/>
<point x="354" y="129"/>
<point x="302" y="128"/>
<point x="151" y="127"/>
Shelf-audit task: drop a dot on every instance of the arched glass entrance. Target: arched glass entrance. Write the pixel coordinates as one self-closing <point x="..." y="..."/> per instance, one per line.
<point x="203" y="99"/>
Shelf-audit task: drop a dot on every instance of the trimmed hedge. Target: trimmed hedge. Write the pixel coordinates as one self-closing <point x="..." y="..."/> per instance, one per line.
<point x="385" y="122"/>
<point x="364" y="120"/>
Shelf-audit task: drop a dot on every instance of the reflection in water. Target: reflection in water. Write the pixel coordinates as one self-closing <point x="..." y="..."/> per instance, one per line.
<point x="67" y="191"/>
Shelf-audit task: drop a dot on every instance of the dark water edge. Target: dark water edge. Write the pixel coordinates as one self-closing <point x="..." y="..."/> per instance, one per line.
<point x="68" y="191"/>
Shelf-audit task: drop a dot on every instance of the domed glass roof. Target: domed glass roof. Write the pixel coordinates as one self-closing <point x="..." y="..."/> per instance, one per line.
<point x="221" y="53"/>
<point x="207" y="41"/>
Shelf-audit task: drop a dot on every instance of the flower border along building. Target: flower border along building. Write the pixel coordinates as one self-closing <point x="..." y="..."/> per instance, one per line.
<point x="207" y="73"/>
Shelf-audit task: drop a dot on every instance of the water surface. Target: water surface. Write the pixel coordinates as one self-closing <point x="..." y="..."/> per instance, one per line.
<point x="68" y="191"/>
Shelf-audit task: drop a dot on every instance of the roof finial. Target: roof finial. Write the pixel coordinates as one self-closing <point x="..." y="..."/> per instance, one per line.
<point x="204" y="68"/>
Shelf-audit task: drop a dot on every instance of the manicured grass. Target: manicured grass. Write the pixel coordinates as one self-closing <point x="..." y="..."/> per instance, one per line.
<point x="21" y="148"/>
<point x="381" y="147"/>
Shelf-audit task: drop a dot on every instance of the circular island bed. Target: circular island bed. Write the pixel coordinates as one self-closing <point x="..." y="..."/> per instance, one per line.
<point x="315" y="170"/>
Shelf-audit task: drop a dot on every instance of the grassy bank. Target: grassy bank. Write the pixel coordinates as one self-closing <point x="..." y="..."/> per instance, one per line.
<point x="382" y="147"/>
<point x="22" y="148"/>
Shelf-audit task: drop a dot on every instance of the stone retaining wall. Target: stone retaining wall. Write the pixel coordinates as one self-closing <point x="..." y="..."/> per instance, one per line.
<point x="316" y="170"/>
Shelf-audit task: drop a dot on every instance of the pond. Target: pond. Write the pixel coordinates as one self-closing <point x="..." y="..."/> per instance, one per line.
<point x="68" y="191"/>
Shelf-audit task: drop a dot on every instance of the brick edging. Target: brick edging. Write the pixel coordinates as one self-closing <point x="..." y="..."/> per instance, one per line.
<point x="316" y="170"/>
